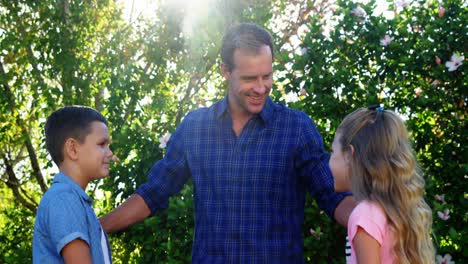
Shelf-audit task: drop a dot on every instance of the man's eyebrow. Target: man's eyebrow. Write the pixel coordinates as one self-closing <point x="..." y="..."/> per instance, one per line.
<point x="247" y="77"/>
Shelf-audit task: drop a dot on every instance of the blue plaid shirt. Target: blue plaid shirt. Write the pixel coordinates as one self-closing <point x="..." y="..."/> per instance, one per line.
<point x="249" y="191"/>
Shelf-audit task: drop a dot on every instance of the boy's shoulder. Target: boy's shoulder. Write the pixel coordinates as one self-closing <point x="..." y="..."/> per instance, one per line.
<point x="62" y="193"/>
<point x="57" y="203"/>
<point x="58" y="191"/>
<point x="64" y="214"/>
<point x="61" y="210"/>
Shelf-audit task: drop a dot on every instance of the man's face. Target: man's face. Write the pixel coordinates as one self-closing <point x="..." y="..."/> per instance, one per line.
<point x="250" y="81"/>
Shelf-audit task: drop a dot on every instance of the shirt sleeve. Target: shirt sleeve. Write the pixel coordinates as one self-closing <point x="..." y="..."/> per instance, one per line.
<point x="312" y="163"/>
<point x="368" y="217"/>
<point x="66" y="220"/>
<point x="168" y="175"/>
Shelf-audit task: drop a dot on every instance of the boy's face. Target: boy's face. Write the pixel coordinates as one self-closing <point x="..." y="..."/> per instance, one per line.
<point x="339" y="165"/>
<point x="94" y="154"/>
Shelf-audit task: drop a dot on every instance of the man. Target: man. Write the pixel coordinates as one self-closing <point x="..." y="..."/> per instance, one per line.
<point x="252" y="162"/>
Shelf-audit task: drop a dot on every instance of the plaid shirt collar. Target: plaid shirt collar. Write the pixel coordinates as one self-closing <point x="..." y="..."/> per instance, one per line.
<point x="266" y="115"/>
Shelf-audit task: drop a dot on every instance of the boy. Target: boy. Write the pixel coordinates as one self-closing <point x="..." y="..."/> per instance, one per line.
<point x="66" y="228"/>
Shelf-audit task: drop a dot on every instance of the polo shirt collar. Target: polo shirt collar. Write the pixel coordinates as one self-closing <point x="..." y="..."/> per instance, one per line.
<point x="65" y="179"/>
<point x="266" y="114"/>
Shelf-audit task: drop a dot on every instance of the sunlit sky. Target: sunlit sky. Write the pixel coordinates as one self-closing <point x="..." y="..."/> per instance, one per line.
<point x="197" y="9"/>
<point x="135" y="8"/>
<point x="146" y="8"/>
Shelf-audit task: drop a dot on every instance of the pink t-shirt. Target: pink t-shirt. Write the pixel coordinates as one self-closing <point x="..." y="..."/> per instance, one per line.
<point x="370" y="217"/>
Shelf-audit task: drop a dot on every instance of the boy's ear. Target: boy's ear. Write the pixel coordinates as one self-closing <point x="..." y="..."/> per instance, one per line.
<point x="70" y="149"/>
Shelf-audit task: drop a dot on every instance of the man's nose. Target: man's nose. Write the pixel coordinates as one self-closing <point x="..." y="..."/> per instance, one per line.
<point x="260" y="86"/>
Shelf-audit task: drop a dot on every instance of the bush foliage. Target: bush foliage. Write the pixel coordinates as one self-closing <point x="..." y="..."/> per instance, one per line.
<point x="145" y="73"/>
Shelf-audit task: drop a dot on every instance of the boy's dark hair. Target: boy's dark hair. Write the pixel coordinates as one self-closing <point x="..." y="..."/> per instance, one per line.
<point x="69" y="122"/>
<point x="245" y="36"/>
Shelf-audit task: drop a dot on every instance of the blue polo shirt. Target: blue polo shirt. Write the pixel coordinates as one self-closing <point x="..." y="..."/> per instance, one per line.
<point x="249" y="190"/>
<point x="65" y="214"/>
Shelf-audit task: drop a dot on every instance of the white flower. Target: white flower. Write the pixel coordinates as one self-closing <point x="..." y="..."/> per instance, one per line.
<point x="316" y="233"/>
<point x="291" y="97"/>
<point x="454" y="62"/>
<point x="386" y="40"/>
<point x="163" y="140"/>
<point x="440" y="198"/>
<point x="447" y="259"/>
<point x="444" y="215"/>
<point x="359" y="12"/>
<point x="402" y="3"/>
<point x="418" y="91"/>
<point x="303" y="92"/>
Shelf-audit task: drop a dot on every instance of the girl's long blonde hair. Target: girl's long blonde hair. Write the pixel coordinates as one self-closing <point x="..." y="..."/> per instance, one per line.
<point x="384" y="170"/>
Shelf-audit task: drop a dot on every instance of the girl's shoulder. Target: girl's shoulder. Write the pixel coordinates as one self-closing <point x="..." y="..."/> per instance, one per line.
<point x="370" y="217"/>
<point x="369" y="205"/>
<point x="368" y="210"/>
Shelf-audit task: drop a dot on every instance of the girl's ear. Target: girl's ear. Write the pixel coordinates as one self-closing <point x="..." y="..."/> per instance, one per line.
<point x="350" y="153"/>
<point x="70" y="149"/>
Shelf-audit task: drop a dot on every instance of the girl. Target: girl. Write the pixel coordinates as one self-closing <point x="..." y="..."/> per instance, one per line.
<point x="372" y="157"/>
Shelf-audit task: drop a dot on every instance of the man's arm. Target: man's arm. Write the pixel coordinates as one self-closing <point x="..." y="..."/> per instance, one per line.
<point x="133" y="210"/>
<point x="344" y="209"/>
<point x="77" y="251"/>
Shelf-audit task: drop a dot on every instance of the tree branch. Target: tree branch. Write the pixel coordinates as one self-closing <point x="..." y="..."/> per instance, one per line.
<point x="133" y="99"/>
<point x="293" y="26"/>
<point x="31" y="152"/>
<point x="193" y="84"/>
<point x="13" y="183"/>
<point x="35" y="165"/>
